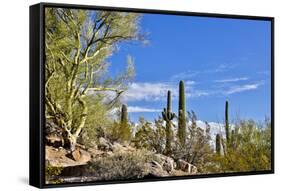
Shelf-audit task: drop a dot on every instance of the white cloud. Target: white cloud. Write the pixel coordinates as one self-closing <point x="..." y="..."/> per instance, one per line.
<point x="242" y="88"/>
<point x="191" y="74"/>
<point x="231" y="80"/>
<point x="136" y="109"/>
<point x="146" y="91"/>
<point x="197" y="93"/>
<point x="189" y="83"/>
<point x="184" y="75"/>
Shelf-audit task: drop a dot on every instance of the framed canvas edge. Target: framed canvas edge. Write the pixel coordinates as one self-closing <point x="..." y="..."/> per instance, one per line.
<point x="38" y="54"/>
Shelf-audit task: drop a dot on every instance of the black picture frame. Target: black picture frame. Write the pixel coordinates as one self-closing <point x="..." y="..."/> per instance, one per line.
<point x="37" y="104"/>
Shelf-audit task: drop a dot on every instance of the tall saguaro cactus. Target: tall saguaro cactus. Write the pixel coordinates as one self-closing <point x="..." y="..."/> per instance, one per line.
<point x="168" y="116"/>
<point x="182" y="115"/>
<point x="124" y="130"/>
<point x="124" y="114"/>
<point x="226" y="123"/>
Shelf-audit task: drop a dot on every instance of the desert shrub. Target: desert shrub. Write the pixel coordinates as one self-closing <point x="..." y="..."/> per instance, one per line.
<point x="51" y="173"/>
<point x="121" y="165"/>
<point x="120" y="130"/>
<point x="197" y="149"/>
<point x="249" y="149"/>
<point x="149" y="137"/>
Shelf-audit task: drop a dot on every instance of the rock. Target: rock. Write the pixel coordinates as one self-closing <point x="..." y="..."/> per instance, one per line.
<point x="181" y="164"/>
<point x="155" y="164"/>
<point x="117" y="147"/>
<point x="104" y="144"/>
<point x="155" y="170"/>
<point x="179" y="173"/>
<point x="54" y="140"/>
<point x="79" y="179"/>
<point x="166" y="162"/>
<point x="76" y="154"/>
<point x="59" y="158"/>
<point x="186" y="167"/>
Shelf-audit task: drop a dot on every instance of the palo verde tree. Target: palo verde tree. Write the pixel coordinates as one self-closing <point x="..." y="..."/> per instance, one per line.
<point x="77" y="46"/>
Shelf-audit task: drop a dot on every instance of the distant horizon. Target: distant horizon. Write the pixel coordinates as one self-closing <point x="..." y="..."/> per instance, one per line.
<point x="219" y="59"/>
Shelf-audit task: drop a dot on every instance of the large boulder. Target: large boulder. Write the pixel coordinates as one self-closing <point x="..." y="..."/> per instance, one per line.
<point x="155" y="170"/>
<point x="61" y="158"/>
<point x="186" y="167"/>
<point x="168" y="164"/>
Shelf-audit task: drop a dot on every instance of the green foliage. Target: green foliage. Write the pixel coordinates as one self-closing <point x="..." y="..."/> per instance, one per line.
<point x="97" y="123"/>
<point x="120" y="131"/>
<point x="182" y="115"/>
<point x="78" y="44"/>
<point x="51" y="172"/>
<point x="168" y="116"/>
<point x="119" y="166"/>
<point x="150" y="138"/>
<point x="250" y="150"/>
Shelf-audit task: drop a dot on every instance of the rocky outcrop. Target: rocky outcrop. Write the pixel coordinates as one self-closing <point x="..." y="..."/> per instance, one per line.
<point x="168" y="164"/>
<point x="117" y="147"/>
<point x="155" y="170"/>
<point x="186" y="167"/>
<point x="59" y="157"/>
<point x="79" y="166"/>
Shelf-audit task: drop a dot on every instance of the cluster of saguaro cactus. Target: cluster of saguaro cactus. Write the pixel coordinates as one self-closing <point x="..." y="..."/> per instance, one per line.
<point x="168" y="116"/>
<point x="229" y="139"/>
<point x="181" y="115"/>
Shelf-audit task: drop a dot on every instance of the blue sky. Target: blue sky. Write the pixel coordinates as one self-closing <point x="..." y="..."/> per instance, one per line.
<point x="218" y="59"/>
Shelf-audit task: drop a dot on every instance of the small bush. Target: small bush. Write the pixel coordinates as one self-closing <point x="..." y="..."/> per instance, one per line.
<point x="51" y="172"/>
<point x="127" y="165"/>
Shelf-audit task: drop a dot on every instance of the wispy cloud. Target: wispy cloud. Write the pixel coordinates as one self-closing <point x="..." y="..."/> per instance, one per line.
<point x="231" y="80"/>
<point x="184" y="75"/>
<point x="193" y="73"/>
<point x="137" y="109"/>
<point x="265" y="72"/>
<point x="242" y="88"/>
<point x="147" y="91"/>
<point x="197" y="93"/>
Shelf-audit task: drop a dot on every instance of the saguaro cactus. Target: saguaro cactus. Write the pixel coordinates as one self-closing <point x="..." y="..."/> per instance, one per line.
<point x="182" y="115"/>
<point x="168" y="116"/>
<point x="124" y="114"/>
<point x="124" y="130"/>
<point x="218" y="144"/>
<point x="226" y="123"/>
